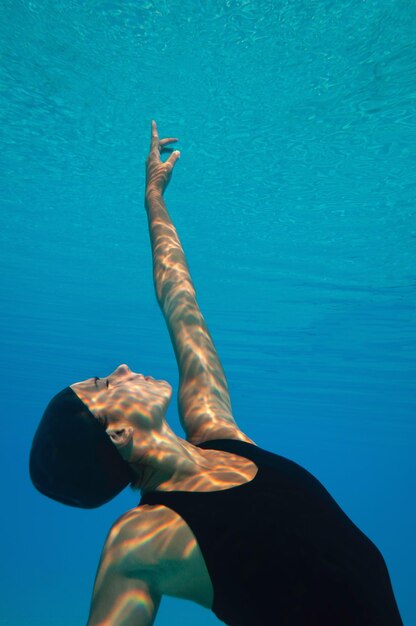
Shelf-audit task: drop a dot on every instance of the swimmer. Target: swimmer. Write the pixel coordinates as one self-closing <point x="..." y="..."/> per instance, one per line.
<point x="237" y="529"/>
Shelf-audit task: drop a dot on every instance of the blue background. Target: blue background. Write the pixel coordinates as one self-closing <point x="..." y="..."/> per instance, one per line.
<point x="294" y="199"/>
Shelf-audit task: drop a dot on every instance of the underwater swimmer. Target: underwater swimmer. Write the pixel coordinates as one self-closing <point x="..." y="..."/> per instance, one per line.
<point x="222" y="522"/>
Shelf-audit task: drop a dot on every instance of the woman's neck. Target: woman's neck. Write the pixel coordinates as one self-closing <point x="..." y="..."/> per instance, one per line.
<point x="168" y="461"/>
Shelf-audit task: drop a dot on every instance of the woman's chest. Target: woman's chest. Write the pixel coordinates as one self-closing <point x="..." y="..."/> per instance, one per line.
<point x="182" y="568"/>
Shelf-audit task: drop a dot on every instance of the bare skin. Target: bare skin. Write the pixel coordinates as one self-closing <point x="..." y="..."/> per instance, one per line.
<point x="150" y="551"/>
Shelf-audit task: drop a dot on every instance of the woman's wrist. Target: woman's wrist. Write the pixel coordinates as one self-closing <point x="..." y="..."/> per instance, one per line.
<point x="152" y="193"/>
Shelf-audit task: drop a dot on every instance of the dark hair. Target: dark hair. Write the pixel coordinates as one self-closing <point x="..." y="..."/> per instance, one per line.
<point x="72" y="459"/>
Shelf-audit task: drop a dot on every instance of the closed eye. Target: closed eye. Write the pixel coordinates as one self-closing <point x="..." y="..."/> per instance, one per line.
<point x="97" y="378"/>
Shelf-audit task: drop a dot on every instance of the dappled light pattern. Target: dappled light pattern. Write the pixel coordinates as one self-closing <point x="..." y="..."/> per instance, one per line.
<point x="203" y="399"/>
<point x="132" y="408"/>
<point x="126" y="394"/>
<point x="136" y="603"/>
<point x="149" y="552"/>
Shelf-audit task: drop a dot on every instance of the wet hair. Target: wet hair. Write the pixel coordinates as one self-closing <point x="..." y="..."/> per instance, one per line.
<point x="72" y="459"/>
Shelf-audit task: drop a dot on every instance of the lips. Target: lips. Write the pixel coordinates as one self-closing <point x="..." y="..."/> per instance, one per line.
<point x="144" y="377"/>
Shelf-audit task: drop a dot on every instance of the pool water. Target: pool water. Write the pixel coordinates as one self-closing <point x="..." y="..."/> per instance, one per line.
<point x="295" y="202"/>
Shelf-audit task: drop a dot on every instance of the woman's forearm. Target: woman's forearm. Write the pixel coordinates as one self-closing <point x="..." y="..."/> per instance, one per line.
<point x="171" y="274"/>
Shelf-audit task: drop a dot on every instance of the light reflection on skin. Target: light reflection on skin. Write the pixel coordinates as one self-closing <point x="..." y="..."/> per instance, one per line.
<point x="150" y="547"/>
<point x="125" y="398"/>
<point x="150" y="551"/>
<point x="134" y="409"/>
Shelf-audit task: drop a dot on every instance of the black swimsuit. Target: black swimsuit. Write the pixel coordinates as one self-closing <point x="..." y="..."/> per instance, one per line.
<point x="280" y="551"/>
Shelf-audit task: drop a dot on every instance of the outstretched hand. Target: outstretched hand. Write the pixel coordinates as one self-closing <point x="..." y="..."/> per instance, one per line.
<point x="158" y="173"/>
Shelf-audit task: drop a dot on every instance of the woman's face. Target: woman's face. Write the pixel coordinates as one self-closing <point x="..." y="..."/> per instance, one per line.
<point x="125" y="397"/>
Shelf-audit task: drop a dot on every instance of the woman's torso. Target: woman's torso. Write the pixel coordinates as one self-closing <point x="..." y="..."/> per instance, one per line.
<point x="258" y="533"/>
<point x="189" y="577"/>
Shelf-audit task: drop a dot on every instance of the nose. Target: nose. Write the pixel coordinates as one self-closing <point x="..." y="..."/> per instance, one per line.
<point x="122" y="370"/>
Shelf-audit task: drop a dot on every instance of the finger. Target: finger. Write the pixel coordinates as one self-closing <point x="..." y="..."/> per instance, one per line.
<point x="154" y="141"/>
<point x="173" y="158"/>
<point x="163" y="145"/>
<point x="162" y="142"/>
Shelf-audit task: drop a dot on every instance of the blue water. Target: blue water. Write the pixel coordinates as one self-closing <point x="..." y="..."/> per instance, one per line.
<point x="294" y="199"/>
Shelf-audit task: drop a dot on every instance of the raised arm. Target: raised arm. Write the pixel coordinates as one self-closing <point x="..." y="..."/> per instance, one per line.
<point x="203" y="400"/>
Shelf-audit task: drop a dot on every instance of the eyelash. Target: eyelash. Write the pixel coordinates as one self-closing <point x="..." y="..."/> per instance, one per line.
<point x="98" y="378"/>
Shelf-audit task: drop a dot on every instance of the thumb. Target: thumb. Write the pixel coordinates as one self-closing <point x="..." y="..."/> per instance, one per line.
<point x="173" y="157"/>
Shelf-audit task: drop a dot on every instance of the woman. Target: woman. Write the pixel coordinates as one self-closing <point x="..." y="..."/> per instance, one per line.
<point x="221" y="522"/>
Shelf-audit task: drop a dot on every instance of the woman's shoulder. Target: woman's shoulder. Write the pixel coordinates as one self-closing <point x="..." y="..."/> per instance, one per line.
<point x="145" y="536"/>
